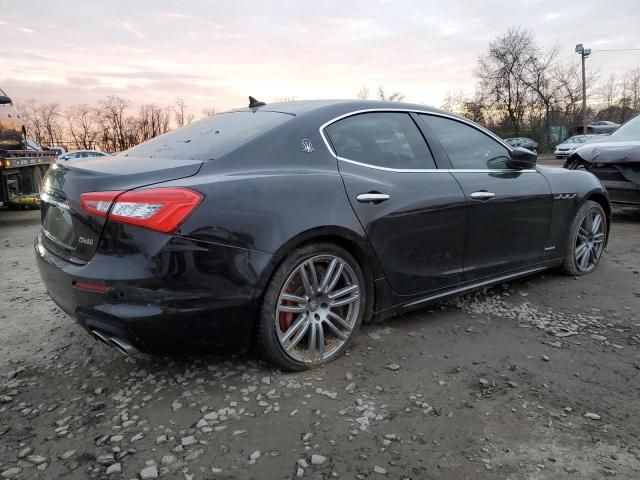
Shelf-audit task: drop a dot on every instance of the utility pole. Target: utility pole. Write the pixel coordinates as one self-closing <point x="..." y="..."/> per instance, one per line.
<point x="584" y="53"/>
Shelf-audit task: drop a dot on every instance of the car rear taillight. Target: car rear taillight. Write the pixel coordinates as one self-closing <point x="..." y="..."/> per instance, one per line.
<point x="159" y="209"/>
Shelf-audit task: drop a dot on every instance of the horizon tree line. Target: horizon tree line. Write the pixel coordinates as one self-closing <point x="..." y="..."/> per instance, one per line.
<point x="521" y="89"/>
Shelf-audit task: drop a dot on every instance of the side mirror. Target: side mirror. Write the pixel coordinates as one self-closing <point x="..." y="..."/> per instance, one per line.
<point x="4" y="100"/>
<point x="522" y="158"/>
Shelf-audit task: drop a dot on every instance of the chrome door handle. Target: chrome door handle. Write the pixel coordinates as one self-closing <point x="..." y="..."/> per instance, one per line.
<point x="482" y="195"/>
<point x="373" y="197"/>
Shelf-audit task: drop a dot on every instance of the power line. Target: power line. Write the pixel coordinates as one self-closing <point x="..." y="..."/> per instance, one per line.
<point x="617" y="50"/>
<point x="562" y="59"/>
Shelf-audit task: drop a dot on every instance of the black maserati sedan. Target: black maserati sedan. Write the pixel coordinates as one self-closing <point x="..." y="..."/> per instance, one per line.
<point x="286" y="226"/>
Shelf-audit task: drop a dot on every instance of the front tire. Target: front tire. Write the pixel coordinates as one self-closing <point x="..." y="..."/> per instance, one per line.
<point x="586" y="239"/>
<point x="312" y="308"/>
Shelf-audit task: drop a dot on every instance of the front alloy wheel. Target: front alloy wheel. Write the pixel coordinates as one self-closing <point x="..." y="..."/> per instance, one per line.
<point x="590" y="241"/>
<point x="586" y="239"/>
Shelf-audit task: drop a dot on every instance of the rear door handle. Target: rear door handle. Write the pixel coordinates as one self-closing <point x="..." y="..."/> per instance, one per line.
<point x="482" y="195"/>
<point x="373" y="197"/>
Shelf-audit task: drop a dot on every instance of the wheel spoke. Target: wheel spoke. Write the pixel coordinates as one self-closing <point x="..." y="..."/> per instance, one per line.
<point x="313" y="275"/>
<point x="327" y="275"/>
<point x="336" y="276"/>
<point x="293" y="298"/>
<point x="584" y="263"/>
<point x="597" y="222"/>
<point x="588" y="222"/>
<point x="581" y="250"/>
<point x="294" y="327"/>
<point x="291" y="308"/>
<point x="312" y="342"/>
<point x="320" y="341"/>
<point x="343" y="291"/>
<point x="335" y="330"/>
<point x="346" y="301"/>
<point x="305" y="280"/>
<point x="598" y="238"/>
<point x="340" y="321"/>
<point x="299" y="336"/>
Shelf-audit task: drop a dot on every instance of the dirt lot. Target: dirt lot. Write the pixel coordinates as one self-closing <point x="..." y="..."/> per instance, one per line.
<point x="538" y="379"/>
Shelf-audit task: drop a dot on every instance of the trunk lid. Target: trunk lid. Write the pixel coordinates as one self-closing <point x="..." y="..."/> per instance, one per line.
<point x="72" y="233"/>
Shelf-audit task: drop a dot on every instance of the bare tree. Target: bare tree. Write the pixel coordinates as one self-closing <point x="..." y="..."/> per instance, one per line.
<point x="209" y="112"/>
<point x="30" y="111"/>
<point x="363" y="93"/>
<point x="632" y="90"/>
<point x="394" y="97"/>
<point x="82" y="125"/>
<point x="112" y="119"/>
<point x="181" y="114"/>
<point x="537" y="76"/>
<point x="501" y="74"/>
<point x="609" y="90"/>
<point x="470" y="106"/>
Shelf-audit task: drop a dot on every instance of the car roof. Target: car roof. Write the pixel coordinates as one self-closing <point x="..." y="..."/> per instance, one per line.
<point x="301" y="107"/>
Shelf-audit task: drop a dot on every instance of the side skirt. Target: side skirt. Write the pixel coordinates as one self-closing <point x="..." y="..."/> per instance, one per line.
<point x="418" y="303"/>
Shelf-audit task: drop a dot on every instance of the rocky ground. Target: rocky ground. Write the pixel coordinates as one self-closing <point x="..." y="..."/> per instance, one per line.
<point x="538" y="379"/>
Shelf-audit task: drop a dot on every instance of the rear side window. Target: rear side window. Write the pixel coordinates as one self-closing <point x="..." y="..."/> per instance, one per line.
<point x="381" y="139"/>
<point x="211" y="137"/>
<point x="468" y="147"/>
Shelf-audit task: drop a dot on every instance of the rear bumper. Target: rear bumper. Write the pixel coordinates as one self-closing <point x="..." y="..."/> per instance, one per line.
<point x="190" y="295"/>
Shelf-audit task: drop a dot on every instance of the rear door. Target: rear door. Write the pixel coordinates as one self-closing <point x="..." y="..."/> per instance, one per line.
<point x="413" y="213"/>
<point x="508" y="210"/>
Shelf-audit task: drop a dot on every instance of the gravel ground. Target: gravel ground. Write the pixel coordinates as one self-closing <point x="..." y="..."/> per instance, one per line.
<point x="537" y="379"/>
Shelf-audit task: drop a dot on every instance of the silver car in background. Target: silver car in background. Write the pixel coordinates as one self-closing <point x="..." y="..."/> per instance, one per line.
<point x="570" y="145"/>
<point x="602" y="126"/>
<point x="78" y="154"/>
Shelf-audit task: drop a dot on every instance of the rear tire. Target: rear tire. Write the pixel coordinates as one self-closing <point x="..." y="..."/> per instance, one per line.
<point x="303" y="322"/>
<point x="586" y="239"/>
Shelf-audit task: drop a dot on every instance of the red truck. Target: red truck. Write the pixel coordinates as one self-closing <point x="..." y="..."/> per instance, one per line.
<point x="21" y="168"/>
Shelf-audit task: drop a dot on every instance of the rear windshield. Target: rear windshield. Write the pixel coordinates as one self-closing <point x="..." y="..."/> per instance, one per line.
<point x="629" y="129"/>
<point x="211" y="137"/>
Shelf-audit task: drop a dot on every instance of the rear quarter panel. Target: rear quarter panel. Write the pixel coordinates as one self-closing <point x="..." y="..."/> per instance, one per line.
<point x="271" y="195"/>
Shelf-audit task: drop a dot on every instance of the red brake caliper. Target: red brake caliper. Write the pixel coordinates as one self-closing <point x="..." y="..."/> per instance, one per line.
<point x="286" y="318"/>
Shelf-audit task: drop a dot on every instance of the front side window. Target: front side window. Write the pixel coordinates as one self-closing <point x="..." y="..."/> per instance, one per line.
<point x="468" y="147"/>
<point x="381" y="139"/>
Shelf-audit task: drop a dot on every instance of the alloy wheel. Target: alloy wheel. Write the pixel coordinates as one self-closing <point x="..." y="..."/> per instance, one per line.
<point x="590" y="241"/>
<point x="317" y="309"/>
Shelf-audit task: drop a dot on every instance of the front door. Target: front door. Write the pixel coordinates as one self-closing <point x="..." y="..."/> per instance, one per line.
<point x="413" y="213"/>
<point x="508" y="210"/>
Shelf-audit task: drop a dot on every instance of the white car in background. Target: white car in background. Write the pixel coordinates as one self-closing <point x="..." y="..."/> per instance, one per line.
<point x="78" y="154"/>
<point x="570" y="145"/>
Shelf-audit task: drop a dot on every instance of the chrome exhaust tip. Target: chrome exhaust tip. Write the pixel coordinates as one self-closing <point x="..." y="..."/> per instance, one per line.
<point x="120" y="344"/>
<point x="100" y="337"/>
<point x="123" y="346"/>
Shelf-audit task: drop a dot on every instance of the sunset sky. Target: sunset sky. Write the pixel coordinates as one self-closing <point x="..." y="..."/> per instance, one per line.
<point x="215" y="53"/>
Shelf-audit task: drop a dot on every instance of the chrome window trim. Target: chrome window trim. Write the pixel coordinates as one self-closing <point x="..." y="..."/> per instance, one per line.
<point x="417" y="170"/>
